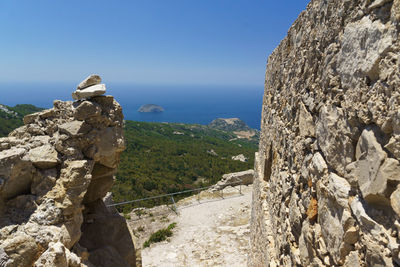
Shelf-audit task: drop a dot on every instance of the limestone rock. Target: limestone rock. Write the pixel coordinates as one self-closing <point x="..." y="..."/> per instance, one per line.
<point x="101" y="182"/>
<point x="240" y="157"/>
<point x="74" y="128"/>
<point x="16" y="173"/>
<point x="89" y="81"/>
<point x="378" y="3"/>
<point x="352" y="260"/>
<point x="376" y="173"/>
<point x="395" y="201"/>
<point x="44" y="157"/>
<point x="110" y="146"/>
<point x="107" y="237"/>
<point x="86" y="109"/>
<point x="331" y="135"/>
<point x="351" y="235"/>
<point x="48" y="186"/>
<point x="88" y="92"/>
<point x="306" y="123"/>
<point x="363" y="44"/>
<point x="333" y="214"/>
<point x="232" y="179"/>
<point x="58" y="255"/>
<point x="21" y="250"/>
<point x="326" y="175"/>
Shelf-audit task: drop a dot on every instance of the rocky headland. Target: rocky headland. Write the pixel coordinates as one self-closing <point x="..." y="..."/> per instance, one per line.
<point x="326" y="189"/>
<point x="150" y="108"/>
<point x="235" y="125"/>
<point x="54" y="172"/>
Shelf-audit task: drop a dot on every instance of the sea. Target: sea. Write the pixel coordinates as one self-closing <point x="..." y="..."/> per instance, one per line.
<point x="182" y="104"/>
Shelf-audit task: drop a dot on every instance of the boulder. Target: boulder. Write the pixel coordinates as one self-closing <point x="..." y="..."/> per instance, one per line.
<point x="86" y="109"/>
<point x="233" y="179"/>
<point x="16" y="173"/>
<point x="73" y="128"/>
<point x="240" y="157"/>
<point x="44" y="157"/>
<point x="58" y="255"/>
<point x="21" y="250"/>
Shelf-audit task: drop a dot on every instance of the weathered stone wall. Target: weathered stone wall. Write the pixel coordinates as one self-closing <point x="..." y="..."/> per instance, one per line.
<point x="54" y="172"/>
<point x="327" y="171"/>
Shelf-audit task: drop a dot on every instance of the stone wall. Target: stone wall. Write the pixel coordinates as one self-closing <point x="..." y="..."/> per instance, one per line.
<point x="54" y="172"/>
<point x="327" y="171"/>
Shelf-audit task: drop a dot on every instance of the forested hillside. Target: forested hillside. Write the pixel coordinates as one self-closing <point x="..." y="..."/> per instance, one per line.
<point x="168" y="157"/>
<point x="163" y="157"/>
<point x="11" y="117"/>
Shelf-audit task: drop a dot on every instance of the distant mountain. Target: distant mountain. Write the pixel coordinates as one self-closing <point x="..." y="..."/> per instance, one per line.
<point x="11" y="117"/>
<point x="151" y="108"/>
<point x="237" y="126"/>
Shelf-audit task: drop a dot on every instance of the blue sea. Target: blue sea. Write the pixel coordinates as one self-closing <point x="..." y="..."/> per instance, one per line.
<point x="185" y="104"/>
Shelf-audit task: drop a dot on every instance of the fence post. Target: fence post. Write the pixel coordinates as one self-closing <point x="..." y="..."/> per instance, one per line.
<point x="198" y="196"/>
<point x="222" y="193"/>
<point x="174" y="206"/>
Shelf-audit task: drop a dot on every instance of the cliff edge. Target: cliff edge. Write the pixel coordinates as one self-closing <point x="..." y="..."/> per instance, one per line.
<point x="54" y="172"/>
<point x="326" y="189"/>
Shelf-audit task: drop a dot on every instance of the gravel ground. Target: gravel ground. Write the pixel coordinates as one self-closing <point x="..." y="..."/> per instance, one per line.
<point x="212" y="233"/>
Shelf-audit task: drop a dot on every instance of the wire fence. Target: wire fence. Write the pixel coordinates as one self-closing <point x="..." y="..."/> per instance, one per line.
<point x="198" y="190"/>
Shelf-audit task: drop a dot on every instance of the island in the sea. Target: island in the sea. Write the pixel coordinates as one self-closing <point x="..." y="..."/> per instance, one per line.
<point x="151" y="108"/>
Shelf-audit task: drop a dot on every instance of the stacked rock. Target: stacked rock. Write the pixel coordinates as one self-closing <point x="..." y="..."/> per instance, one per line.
<point x="89" y="87"/>
<point x="54" y="172"/>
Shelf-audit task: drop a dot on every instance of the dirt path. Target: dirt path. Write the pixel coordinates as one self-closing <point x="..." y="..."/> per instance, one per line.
<point x="212" y="233"/>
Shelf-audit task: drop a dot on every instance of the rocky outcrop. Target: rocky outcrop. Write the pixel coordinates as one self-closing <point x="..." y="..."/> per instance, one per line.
<point x="240" y="157"/>
<point x="150" y="108"/>
<point x="237" y="127"/>
<point x="326" y="188"/>
<point x="54" y="172"/>
<point x="234" y="179"/>
<point x="229" y="124"/>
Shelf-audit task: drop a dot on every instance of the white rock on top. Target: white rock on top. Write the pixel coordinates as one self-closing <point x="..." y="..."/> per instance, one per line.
<point x="89" y="81"/>
<point x="89" y="87"/>
<point x="95" y="90"/>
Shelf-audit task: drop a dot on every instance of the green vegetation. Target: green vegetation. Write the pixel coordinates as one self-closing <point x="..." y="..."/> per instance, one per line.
<point x="127" y="216"/>
<point x="11" y="117"/>
<point x="160" y="235"/>
<point x="162" y="158"/>
<point x="165" y="158"/>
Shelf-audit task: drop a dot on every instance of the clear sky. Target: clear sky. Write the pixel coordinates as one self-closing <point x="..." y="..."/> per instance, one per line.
<point x="149" y="41"/>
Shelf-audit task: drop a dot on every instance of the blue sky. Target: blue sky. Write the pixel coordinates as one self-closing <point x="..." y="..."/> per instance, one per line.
<point x="198" y="42"/>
